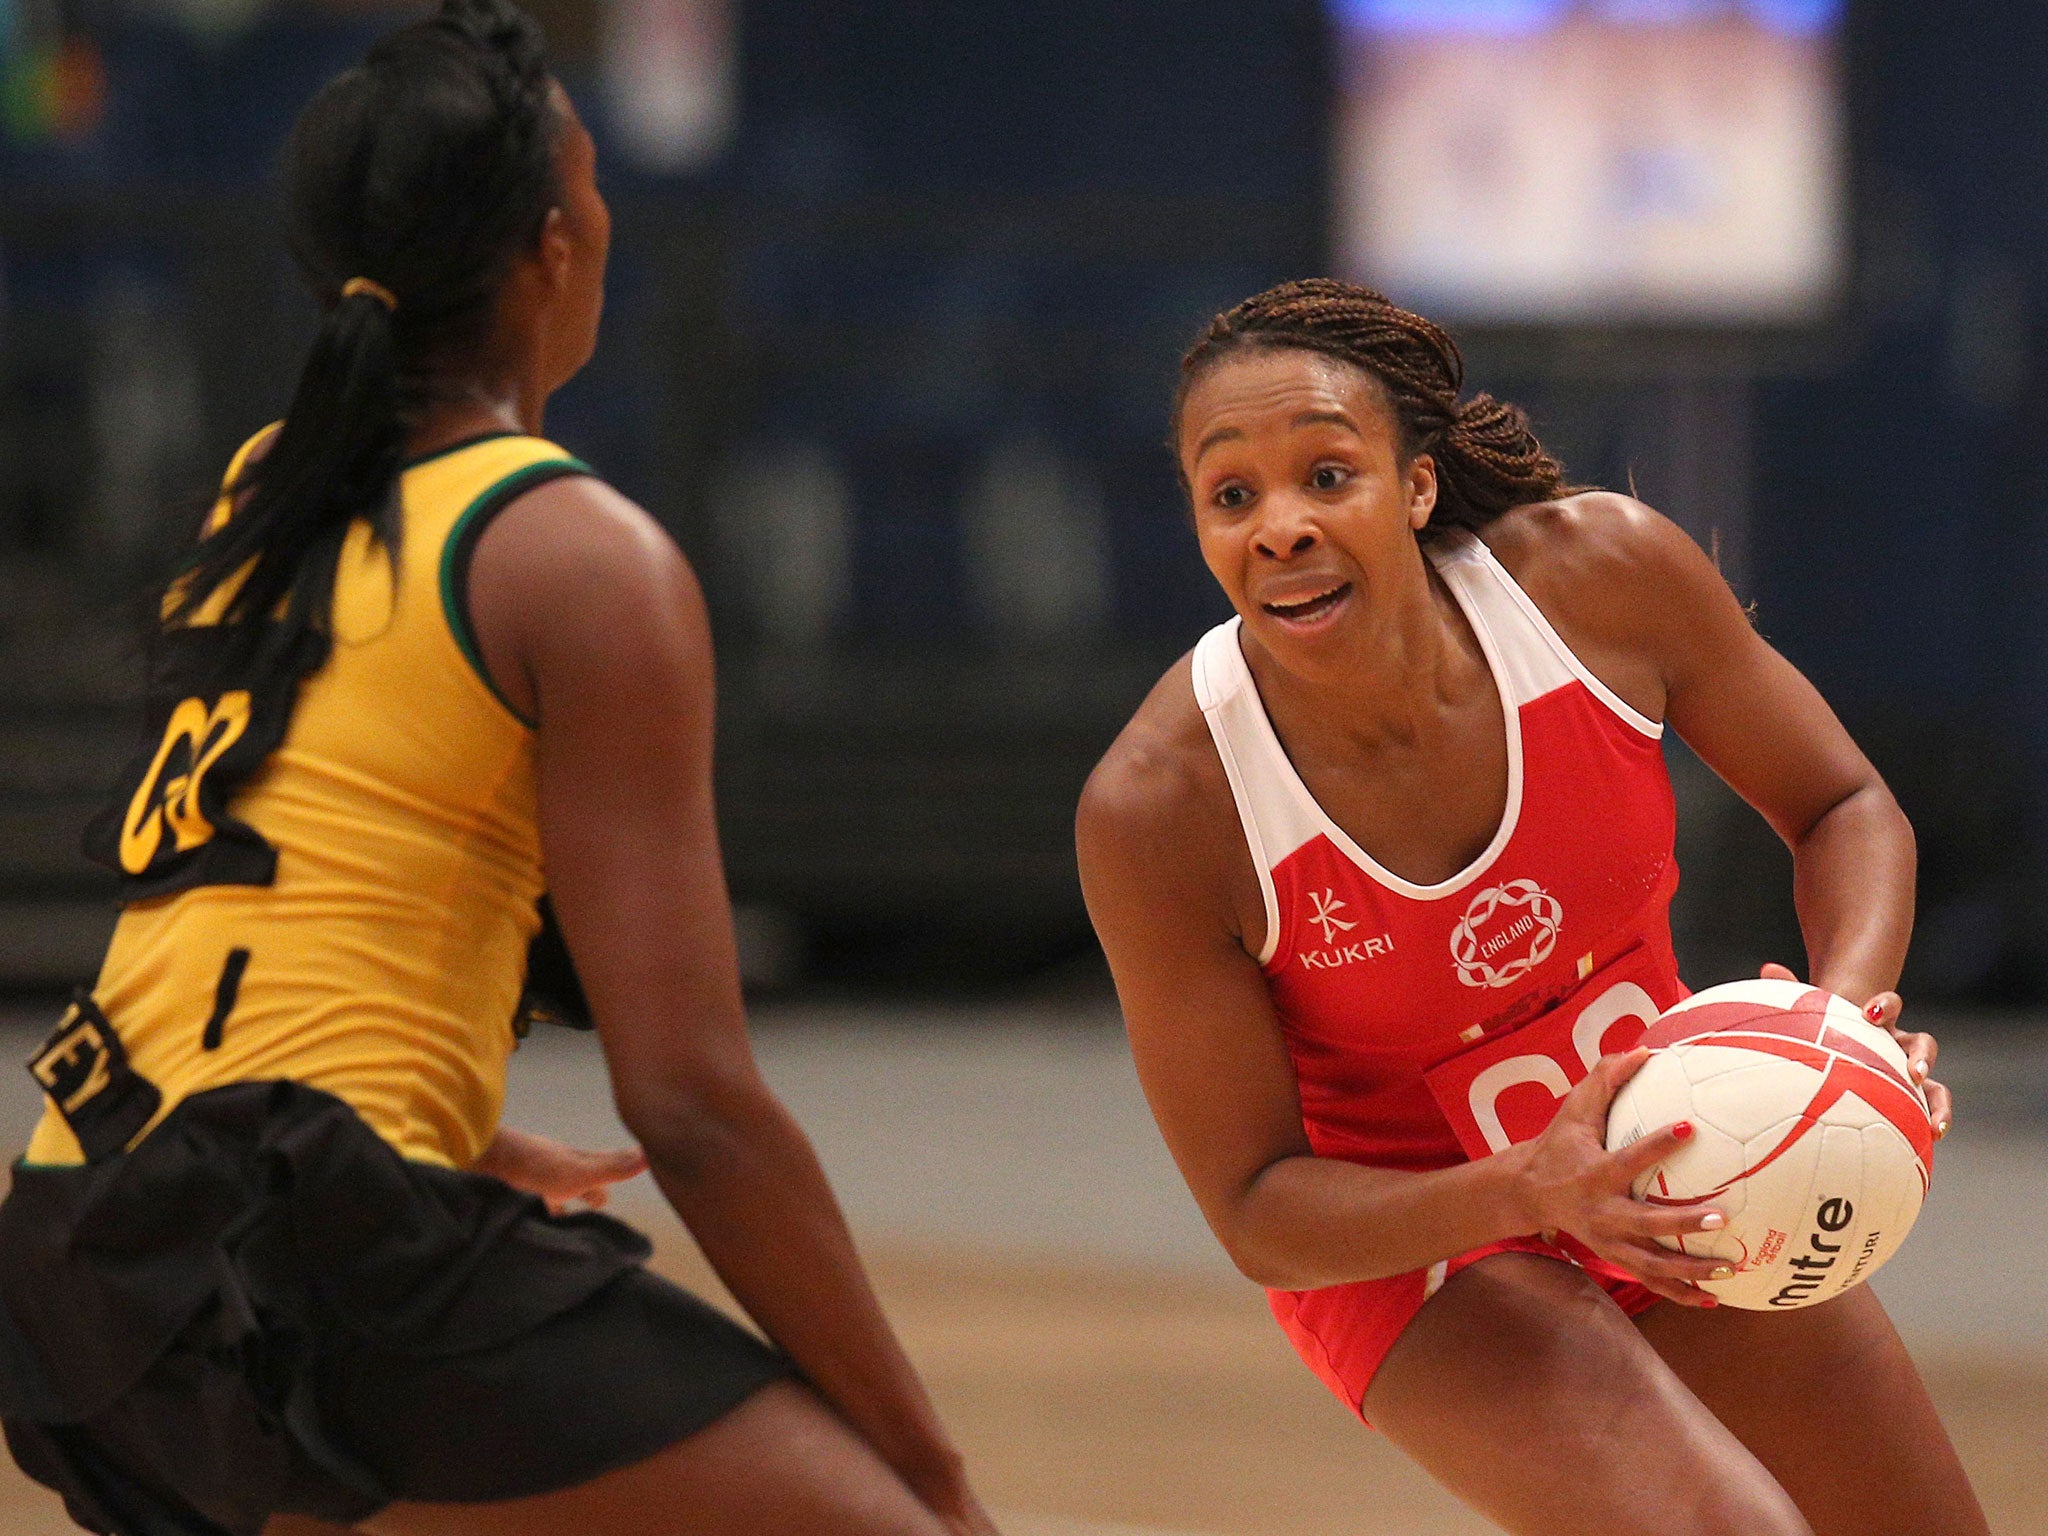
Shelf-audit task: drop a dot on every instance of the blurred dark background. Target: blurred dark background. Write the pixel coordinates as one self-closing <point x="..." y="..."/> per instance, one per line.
<point x="898" y="289"/>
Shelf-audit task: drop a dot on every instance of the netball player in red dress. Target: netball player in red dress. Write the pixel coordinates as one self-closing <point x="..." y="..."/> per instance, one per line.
<point x="1382" y="870"/>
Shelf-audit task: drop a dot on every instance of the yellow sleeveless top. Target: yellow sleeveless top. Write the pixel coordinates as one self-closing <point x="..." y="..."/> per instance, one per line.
<point x="384" y="961"/>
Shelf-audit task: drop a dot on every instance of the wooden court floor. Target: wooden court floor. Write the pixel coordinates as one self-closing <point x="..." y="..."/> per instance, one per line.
<point x="1094" y="1401"/>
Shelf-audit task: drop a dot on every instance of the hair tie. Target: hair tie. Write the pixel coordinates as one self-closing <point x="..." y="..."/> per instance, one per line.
<point x="376" y="290"/>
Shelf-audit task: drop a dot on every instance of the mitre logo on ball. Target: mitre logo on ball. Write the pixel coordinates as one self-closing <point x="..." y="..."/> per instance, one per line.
<point x="1506" y="932"/>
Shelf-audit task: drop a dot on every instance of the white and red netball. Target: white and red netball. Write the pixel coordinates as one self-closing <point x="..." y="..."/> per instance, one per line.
<point x="1809" y="1132"/>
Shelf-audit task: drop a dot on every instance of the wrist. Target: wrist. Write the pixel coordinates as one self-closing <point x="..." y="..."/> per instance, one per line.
<point x="1858" y="986"/>
<point x="1514" y="1204"/>
<point x="494" y="1155"/>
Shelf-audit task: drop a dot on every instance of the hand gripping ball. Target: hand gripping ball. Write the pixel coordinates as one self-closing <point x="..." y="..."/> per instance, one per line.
<point x="1809" y="1133"/>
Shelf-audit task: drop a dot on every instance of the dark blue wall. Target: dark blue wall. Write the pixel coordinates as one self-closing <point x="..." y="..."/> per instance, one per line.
<point x="1902" y="486"/>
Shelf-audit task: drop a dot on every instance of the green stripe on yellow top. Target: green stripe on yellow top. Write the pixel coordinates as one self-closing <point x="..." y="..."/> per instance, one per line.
<point x="461" y="543"/>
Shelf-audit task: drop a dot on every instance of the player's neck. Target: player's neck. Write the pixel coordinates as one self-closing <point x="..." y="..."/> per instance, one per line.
<point x="1409" y="666"/>
<point x="502" y="386"/>
<point x="472" y="409"/>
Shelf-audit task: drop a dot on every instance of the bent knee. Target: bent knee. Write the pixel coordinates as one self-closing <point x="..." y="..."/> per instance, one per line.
<point x="1750" y="1506"/>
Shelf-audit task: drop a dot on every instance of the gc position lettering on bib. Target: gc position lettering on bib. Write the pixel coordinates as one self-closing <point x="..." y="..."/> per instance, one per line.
<point x="1505" y="1089"/>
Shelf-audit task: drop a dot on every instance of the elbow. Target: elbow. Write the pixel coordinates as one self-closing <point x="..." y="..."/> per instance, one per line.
<point x="690" y="1130"/>
<point x="1265" y="1258"/>
<point x="1909" y="843"/>
<point x="1268" y="1270"/>
<point x="1285" y="1237"/>
<point x="1873" y="809"/>
<point x="1260" y="1230"/>
<point x="1868" y="817"/>
<point x="1278" y="1271"/>
<point x="1267" y="1265"/>
<point x="1885" y="808"/>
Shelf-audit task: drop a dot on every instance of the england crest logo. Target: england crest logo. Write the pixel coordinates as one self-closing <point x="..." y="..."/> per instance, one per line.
<point x="1506" y="932"/>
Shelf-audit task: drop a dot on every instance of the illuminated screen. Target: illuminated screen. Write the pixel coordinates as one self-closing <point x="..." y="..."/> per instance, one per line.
<point x="1593" y="160"/>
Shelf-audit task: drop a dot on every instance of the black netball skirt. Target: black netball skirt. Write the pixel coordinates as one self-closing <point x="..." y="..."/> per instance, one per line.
<point x="263" y="1309"/>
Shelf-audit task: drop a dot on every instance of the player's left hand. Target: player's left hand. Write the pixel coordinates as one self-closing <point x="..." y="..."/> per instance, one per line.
<point x="1883" y="1010"/>
<point x="559" y="1174"/>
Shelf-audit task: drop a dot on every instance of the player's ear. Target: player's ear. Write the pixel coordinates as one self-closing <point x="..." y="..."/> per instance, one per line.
<point x="1421" y="491"/>
<point x="557" y="250"/>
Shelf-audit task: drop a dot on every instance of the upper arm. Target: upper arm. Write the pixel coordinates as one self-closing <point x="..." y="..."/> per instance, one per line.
<point x="1640" y="600"/>
<point x="1203" y="1032"/>
<point x="590" y="618"/>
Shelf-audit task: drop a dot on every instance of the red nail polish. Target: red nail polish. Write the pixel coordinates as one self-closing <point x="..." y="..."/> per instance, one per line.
<point x="1874" y="1012"/>
<point x="1682" y="1130"/>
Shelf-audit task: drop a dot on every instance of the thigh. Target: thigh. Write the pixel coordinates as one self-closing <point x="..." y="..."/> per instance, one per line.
<point x="1525" y="1390"/>
<point x="1829" y="1400"/>
<point x="781" y="1464"/>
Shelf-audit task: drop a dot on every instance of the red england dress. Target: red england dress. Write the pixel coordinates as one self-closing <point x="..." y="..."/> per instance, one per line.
<point x="1431" y="1024"/>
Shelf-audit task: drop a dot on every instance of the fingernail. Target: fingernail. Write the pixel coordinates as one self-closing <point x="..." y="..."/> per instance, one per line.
<point x="1725" y="1272"/>
<point x="1713" y="1221"/>
<point x="1874" y="1012"/>
<point x="1940" y="1129"/>
<point x="1682" y="1130"/>
<point x="1713" y="1301"/>
<point x="1919" y="1069"/>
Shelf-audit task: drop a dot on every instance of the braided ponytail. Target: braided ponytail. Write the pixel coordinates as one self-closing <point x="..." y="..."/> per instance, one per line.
<point x="1487" y="458"/>
<point x="334" y="459"/>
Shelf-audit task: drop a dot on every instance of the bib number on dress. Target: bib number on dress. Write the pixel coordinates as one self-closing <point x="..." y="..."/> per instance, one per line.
<point x="167" y="827"/>
<point x="1506" y="1090"/>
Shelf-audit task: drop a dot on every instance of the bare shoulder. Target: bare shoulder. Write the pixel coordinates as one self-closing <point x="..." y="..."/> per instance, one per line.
<point x="1598" y="536"/>
<point x="1604" y="566"/>
<point x="587" y="533"/>
<point x="577" y="553"/>
<point x="1157" y="827"/>
<point x="574" y="580"/>
<point x="1161" y="774"/>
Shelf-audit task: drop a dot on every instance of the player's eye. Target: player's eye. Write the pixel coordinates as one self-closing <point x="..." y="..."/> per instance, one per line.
<point x="1232" y="497"/>
<point x="1328" y="477"/>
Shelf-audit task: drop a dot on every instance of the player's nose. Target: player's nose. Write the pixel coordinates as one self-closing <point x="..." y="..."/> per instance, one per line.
<point x="1285" y="534"/>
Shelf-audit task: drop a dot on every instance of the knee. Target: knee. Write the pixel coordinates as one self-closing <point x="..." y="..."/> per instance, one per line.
<point x="1743" y="1501"/>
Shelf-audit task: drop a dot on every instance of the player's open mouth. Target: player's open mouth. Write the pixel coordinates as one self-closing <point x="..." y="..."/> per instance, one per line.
<point x="1308" y="609"/>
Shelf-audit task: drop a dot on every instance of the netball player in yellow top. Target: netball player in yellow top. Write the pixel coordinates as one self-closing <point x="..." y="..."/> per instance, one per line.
<point x="424" y="665"/>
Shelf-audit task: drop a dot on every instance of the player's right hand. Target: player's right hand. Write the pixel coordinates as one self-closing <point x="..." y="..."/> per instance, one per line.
<point x="1571" y="1183"/>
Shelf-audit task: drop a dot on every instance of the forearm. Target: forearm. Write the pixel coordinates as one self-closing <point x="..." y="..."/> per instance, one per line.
<point x="1853" y="884"/>
<point x="746" y="1182"/>
<point x="495" y="1156"/>
<point x="1307" y="1222"/>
